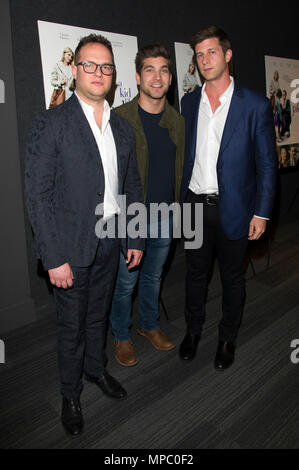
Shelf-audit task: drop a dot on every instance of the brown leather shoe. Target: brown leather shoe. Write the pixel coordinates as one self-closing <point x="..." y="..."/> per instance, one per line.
<point x="158" y="339"/>
<point x="125" y="354"/>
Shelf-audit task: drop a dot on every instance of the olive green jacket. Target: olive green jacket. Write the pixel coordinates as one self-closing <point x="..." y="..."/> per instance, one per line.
<point x="175" y="123"/>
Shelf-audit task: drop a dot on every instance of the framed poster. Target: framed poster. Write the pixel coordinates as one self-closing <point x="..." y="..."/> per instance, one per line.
<point x="58" y="43"/>
<point x="282" y="83"/>
<point x="187" y="74"/>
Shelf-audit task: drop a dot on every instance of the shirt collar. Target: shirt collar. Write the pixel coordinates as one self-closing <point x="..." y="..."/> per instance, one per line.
<point x="89" y="111"/>
<point x="225" y="96"/>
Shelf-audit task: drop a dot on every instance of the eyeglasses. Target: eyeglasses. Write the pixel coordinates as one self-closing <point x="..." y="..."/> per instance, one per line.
<point x="91" y="67"/>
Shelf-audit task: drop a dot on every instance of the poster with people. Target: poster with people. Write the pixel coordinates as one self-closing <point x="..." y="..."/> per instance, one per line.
<point x="187" y="74"/>
<point x="57" y="45"/>
<point x="282" y="82"/>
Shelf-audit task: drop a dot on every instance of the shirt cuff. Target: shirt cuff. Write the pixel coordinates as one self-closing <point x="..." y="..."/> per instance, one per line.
<point x="259" y="217"/>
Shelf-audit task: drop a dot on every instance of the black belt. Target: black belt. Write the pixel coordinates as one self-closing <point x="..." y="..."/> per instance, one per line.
<point x="209" y="199"/>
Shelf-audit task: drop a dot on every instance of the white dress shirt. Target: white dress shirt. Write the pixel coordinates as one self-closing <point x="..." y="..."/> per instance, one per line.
<point x="107" y="149"/>
<point x="210" y="128"/>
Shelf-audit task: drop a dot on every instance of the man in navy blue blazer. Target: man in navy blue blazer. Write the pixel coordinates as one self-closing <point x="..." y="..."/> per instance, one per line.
<point x="81" y="156"/>
<point x="230" y="168"/>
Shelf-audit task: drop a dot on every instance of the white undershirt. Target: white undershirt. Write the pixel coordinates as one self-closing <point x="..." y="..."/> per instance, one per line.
<point x="107" y="149"/>
<point x="210" y="128"/>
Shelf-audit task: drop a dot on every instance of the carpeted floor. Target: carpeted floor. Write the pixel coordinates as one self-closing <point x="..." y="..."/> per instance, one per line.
<point x="172" y="405"/>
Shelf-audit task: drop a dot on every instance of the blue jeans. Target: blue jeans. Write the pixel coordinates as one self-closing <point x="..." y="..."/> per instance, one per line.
<point x="149" y="273"/>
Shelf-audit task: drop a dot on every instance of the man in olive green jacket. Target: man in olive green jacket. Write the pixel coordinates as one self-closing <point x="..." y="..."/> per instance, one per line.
<point x="160" y="139"/>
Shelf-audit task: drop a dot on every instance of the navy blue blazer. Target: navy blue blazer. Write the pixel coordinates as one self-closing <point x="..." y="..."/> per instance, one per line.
<point x="64" y="182"/>
<point x="247" y="160"/>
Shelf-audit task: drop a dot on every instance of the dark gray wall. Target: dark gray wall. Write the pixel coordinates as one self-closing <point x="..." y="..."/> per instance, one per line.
<point x="256" y="28"/>
<point x="15" y="301"/>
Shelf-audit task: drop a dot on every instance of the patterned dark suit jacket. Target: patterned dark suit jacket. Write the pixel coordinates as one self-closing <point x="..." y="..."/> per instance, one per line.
<point x="64" y="183"/>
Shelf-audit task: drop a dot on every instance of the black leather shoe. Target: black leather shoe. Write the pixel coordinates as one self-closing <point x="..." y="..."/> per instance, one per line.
<point x="109" y="385"/>
<point x="188" y="347"/>
<point x="225" y="355"/>
<point x="71" y="416"/>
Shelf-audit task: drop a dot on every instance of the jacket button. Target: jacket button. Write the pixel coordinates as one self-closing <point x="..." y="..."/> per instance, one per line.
<point x="99" y="194"/>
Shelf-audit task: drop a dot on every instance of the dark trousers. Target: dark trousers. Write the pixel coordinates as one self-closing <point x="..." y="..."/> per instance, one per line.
<point x="230" y="254"/>
<point x="82" y="316"/>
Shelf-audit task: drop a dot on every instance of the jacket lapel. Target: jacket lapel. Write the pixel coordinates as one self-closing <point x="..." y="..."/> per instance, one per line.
<point x="135" y="121"/>
<point x="118" y="139"/>
<point x="82" y="126"/>
<point x="233" y="118"/>
<point x="191" y="116"/>
<point x="193" y="127"/>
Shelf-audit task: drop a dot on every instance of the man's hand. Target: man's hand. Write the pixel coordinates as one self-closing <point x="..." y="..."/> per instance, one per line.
<point x="61" y="276"/>
<point x="133" y="258"/>
<point x="256" y="228"/>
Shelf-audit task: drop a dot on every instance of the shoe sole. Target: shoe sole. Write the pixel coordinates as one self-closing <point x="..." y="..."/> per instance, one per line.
<point x="156" y="347"/>
<point x="186" y="360"/>
<point x="125" y="364"/>
<point x="72" y="436"/>
<point x="104" y="393"/>
<point x="222" y="369"/>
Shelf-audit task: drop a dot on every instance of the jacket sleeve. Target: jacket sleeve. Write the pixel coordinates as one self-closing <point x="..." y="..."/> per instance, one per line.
<point x="40" y="188"/>
<point x="266" y="161"/>
<point x="133" y="188"/>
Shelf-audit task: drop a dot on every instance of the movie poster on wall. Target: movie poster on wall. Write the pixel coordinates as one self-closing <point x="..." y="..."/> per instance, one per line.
<point x="281" y="77"/>
<point x="58" y="43"/>
<point x="187" y="74"/>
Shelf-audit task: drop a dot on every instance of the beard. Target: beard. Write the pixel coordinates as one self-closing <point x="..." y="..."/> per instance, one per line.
<point x="214" y="74"/>
<point x="158" y="96"/>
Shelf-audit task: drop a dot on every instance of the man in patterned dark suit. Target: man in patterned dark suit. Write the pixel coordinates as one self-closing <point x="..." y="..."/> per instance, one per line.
<point x="80" y="155"/>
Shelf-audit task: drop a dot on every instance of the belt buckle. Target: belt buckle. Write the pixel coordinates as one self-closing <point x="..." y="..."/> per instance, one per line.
<point x="211" y="199"/>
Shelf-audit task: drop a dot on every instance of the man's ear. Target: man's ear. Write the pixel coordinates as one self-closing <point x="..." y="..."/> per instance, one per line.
<point x="137" y="76"/>
<point x="74" y="71"/>
<point x="228" y="55"/>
